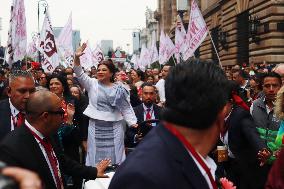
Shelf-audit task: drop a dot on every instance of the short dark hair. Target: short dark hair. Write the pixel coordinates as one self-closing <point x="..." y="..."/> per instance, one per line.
<point x="243" y="74"/>
<point x="140" y="74"/>
<point x="147" y="84"/>
<point x="271" y="74"/>
<point x="63" y="80"/>
<point x="41" y="69"/>
<point x="109" y="64"/>
<point x="195" y="93"/>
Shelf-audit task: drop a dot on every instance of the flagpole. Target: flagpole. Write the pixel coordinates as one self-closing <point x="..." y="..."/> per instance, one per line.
<point x="215" y="49"/>
<point x="174" y="59"/>
<point x="5" y="56"/>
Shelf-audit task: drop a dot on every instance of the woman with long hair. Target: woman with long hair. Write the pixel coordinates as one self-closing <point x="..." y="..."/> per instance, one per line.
<point x="108" y="106"/>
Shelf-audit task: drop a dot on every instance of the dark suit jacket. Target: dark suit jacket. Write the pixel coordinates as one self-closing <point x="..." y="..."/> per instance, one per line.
<point x="19" y="148"/>
<point x="139" y="112"/>
<point x="5" y="118"/>
<point x="159" y="162"/>
<point x="244" y="142"/>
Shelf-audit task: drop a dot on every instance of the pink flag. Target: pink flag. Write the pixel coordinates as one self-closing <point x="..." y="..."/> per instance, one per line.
<point x="154" y="56"/>
<point x="65" y="43"/>
<point x="197" y="31"/>
<point x="17" y="35"/>
<point x="98" y="54"/>
<point x="47" y="46"/>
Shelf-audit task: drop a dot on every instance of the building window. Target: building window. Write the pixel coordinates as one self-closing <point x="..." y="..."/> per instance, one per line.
<point x="243" y="37"/>
<point x="215" y="38"/>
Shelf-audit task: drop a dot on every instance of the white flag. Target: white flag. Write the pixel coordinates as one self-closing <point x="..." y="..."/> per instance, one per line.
<point x="197" y="31"/>
<point x="87" y="59"/>
<point x="65" y="43"/>
<point x="17" y="35"/>
<point x="154" y="56"/>
<point x="98" y="54"/>
<point x="162" y="48"/>
<point x="144" y="57"/>
<point x="170" y="48"/>
<point x="180" y="26"/>
<point x="47" y="46"/>
<point x="32" y="47"/>
<point x="134" y="60"/>
<point x="180" y="37"/>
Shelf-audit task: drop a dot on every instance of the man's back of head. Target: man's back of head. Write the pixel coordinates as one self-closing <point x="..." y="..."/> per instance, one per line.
<point x="196" y="92"/>
<point x="44" y="112"/>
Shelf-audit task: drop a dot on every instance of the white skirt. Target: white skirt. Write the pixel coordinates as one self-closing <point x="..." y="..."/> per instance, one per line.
<point x="105" y="140"/>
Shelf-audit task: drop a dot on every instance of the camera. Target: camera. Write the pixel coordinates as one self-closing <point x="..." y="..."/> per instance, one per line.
<point x="7" y="182"/>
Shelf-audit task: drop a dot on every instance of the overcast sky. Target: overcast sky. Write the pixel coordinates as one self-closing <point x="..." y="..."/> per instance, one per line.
<point x="96" y="19"/>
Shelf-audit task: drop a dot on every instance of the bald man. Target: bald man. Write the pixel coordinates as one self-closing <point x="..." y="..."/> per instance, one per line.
<point x="33" y="147"/>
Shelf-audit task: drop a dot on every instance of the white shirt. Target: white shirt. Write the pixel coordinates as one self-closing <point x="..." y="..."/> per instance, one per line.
<point x="42" y="149"/>
<point x="151" y="113"/>
<point x="161" y="89"/>
<point x="225" y="139"/>
<point x="14" y="113"/>
<point x="210" y="164"/>
<point x="244" y="86"/>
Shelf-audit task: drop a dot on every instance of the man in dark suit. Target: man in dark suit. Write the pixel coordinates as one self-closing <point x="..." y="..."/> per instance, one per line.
<point x="175" y="153"/>
<point x="32" y="146"/>
<point x="148" y="110"/>
<point x="21" y="85"/>
<point x="244" y="144"/>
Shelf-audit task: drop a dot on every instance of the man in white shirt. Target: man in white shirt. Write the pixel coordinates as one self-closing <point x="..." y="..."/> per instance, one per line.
<point x="161" y="83"/>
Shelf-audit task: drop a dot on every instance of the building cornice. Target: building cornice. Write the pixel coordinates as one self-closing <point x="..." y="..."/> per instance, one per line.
<point x="207" y="12"/>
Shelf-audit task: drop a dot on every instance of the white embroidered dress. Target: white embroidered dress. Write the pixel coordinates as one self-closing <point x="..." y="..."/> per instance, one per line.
<point x="108" y="106"/>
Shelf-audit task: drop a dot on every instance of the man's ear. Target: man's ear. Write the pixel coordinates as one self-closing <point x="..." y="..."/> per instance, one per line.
<point x="9" y="91"/>
<point x="223" y="113"/>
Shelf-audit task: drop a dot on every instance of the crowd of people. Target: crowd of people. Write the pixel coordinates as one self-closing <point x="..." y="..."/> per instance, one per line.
<point x="73" y="123"/>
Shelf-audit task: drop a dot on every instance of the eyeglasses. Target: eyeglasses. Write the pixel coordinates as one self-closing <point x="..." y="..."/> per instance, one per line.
<point x="59" y="112"/>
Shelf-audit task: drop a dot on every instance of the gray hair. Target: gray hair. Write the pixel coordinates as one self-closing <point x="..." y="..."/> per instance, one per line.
<point x="19" y="73"/>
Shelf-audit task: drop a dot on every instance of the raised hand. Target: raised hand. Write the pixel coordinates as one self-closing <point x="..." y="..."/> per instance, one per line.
<point x="101" y="167"/>
<point x="70" y="112"/>
<point x="79" y="52"/>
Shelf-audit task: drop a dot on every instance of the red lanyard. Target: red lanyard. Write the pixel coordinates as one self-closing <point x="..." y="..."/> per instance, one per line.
<point x="52" y="159"/>
<point x="188" y="146"/>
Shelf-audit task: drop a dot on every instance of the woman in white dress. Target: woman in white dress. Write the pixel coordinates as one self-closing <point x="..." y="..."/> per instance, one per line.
<point x="108" y="106"/>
